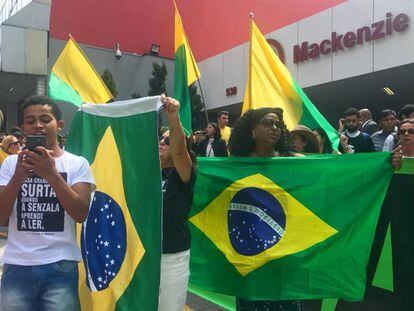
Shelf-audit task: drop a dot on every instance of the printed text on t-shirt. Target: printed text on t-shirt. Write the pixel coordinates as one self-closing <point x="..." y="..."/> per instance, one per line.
<point x="38" y="208"/>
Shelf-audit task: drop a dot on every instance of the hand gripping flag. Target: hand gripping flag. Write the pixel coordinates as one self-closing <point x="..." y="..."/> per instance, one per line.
<point x="269" y="84"/>
<point x="286" y="228"/>
<point x="121" y="238"/>
<point x="185" y="71"/>
<point x="73" y="78"/>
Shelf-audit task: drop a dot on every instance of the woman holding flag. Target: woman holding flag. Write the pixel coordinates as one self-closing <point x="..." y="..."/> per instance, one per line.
<point x="262" y="133"/>
<point x="178" y="177"/>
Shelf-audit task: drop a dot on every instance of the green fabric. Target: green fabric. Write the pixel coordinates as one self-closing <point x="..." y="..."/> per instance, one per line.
<point x="60" y="90"/>
<point x="329" y="304"/>
<point x="141" y="182"/>
<point x="383" y="277"/>
<point x="345" y="192"/>
<point x="312" y="118"/>
<point x="407" y="167"/>
<point x="224" y="301"/>
<point x="181" y="92"/>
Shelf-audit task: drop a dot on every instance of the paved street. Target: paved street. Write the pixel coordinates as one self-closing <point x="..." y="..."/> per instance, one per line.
<point x="199" y="304"/>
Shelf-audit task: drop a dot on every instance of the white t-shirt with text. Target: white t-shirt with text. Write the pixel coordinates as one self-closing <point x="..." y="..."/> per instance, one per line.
<point x="40" y="231"/>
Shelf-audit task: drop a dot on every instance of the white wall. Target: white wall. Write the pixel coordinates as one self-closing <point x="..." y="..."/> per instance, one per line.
<point x="24" y="38"/>
<point x="229" y="68"/>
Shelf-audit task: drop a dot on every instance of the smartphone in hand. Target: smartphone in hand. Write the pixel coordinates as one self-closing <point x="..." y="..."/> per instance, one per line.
<point x="33" y="141"/>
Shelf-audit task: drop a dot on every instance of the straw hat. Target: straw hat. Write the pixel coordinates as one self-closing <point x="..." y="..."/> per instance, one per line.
<point x="308" y="135"/>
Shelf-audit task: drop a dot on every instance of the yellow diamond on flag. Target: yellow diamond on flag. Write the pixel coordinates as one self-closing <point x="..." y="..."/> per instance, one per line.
<point x="254" y="221"/>
<point x="111" y="246"/>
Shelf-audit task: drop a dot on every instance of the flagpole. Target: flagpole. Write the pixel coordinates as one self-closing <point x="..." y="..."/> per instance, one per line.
<point x="201" y="91"/>
<point x="249" y="78"/>
<point x="203" y="101"/>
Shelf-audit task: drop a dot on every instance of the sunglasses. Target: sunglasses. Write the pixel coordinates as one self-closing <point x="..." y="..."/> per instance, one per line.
<point x="15" y="143"/>
<point x="166" y="140"/>
<point x="268" y="122"/>
<point x="403" y="132"/>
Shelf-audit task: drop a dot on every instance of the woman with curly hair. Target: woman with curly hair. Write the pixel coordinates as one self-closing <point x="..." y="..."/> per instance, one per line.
<point x="262" y="133"/>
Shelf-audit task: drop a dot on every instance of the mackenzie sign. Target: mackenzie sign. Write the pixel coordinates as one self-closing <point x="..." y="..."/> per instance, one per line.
<point x="338" y="42"/>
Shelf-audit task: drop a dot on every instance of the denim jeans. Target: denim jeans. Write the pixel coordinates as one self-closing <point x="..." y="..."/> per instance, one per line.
<point x="50" y="287"/>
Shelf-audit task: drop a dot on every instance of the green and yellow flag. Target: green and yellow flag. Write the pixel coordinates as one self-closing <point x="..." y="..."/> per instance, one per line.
<point x="185" y="71"/>
<point x="269" y="84"/>
<point x="286" y="228"/>
<point x="73" y="78"/>
<point x="121" y="238"/>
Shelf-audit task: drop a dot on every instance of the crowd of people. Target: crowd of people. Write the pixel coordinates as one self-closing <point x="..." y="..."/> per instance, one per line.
<point x="257" y="133"/>
<point x="357" y="132"/>
<point x="263" y="133"/>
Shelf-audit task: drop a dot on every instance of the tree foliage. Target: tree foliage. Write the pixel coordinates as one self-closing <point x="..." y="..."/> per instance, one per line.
<point x="136" y="95"/>
<point x="198" y="120"/>
<point x="109" y="82"/>
<point x="157" y="82"/>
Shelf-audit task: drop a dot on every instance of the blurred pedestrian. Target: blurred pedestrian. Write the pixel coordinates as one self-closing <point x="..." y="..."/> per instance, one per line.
<point x="211" y="144"/>
<point x="352" y="140"/>
<point x="388" y="121"/>
<point x="10" y="145"/>
<point x="304" y="140"/>
<point x="223" y="121"/>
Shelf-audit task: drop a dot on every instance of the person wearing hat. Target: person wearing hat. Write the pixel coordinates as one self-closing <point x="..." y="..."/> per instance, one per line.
<point x="10" y="145"/>
<point x="304" y="140"/>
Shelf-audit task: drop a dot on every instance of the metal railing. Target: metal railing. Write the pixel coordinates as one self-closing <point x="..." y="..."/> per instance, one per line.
<point x="11" y="7"/>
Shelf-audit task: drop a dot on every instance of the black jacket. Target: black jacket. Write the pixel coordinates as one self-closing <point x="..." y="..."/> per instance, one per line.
<point x="370" y="127"/>
<point x="218" y="145"/>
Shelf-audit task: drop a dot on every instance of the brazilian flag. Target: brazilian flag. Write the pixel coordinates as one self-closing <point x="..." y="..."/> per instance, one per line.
<point x="121" y="238"/>
<point x="286" y="228"/>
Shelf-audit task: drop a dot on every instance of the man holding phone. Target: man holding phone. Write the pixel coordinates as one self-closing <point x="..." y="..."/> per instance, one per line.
<point x="43" y="192"/>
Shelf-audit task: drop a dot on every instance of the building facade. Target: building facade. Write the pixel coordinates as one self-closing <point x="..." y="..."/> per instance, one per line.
<point x="343" y="53"/>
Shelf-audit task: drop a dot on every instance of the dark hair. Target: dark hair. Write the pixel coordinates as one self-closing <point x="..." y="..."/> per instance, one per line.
<point x="327" y="146"/>
<point x="406" y="111"/>
<point x="352" y="111"/>
<point x="411" y="121"/>
<point x="43" y="101"/>
<point x="241" y="143"/>
<point x="387" y="112"/>
<point x="222" y="112"/>
<point x="217" y="134"/>
<point x="16" y="131"/>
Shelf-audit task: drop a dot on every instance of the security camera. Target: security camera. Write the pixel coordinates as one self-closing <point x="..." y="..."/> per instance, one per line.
<point x="118" y="53"/>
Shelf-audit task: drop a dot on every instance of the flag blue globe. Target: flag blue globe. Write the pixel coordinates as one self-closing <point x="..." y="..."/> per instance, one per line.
<point x="103" y="241"/>
<point x="256" y="221"/>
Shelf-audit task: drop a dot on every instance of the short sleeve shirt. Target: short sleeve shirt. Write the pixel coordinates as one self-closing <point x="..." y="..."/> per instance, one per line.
<point x="177" y="201"/>
<point x="40" y="231"/>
